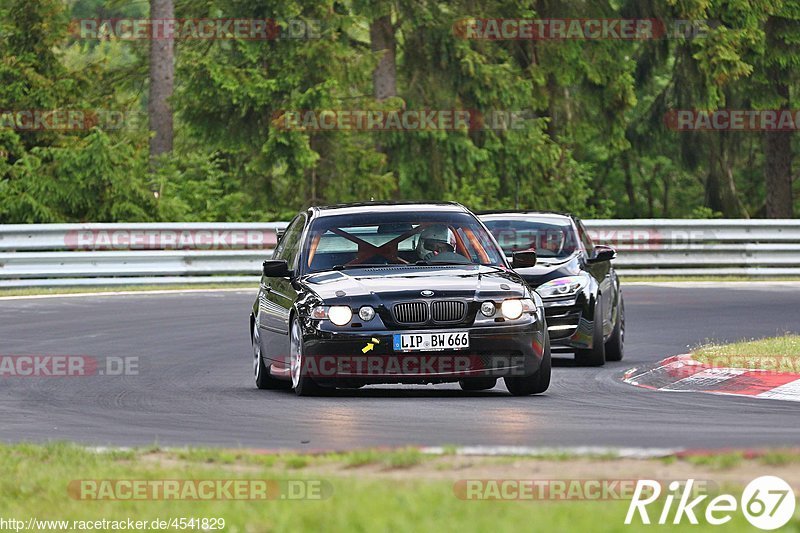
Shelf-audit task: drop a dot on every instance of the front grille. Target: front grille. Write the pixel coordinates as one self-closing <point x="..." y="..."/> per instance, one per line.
<point x="411" y="313"/>
<point x="439" y="311"/>
<point x="448" y="310"/>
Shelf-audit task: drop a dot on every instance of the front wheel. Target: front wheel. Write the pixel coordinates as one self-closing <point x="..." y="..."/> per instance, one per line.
<point x="302" y="384"/>
<point x="615" y="347"/>
<point x="596" y="355"/>
<point x="536" y="383"/>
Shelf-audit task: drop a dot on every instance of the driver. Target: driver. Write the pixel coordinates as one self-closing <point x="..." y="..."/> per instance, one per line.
<point x="552" y="242"/>
<point x="438" y="243"/>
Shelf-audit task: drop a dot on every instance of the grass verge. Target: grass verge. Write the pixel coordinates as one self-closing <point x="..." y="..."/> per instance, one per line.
<point x="405" y="492"/>
<point x="774" y="353"/>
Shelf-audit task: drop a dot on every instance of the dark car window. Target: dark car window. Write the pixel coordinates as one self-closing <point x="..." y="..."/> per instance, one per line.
<point x="398" y="238"/>
<point x="289" y="247"/>
<point x="552" y="238"/>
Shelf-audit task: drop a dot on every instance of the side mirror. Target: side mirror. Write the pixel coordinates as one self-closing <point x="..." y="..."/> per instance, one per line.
<point x="602" y="253"/>
<point x="277" y="268"/>
<point x="524" y="259"/>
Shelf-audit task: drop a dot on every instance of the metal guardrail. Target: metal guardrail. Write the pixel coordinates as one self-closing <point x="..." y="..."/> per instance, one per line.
<point x="124" y="254"/>
<point x="722" y="247"/>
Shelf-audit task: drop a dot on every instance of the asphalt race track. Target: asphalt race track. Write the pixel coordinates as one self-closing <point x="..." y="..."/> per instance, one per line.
<point x="194" y="384"/>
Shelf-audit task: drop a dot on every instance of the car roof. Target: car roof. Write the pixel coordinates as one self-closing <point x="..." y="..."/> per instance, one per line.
<point x="511" y="215"/>
<point x="385" y="207"/>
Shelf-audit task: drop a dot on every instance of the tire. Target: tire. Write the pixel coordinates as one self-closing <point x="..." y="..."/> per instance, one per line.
<point x="596" y="355"/>
<point x="476" y="384"/>
<point x="302" y="384"/>
<point x="264" y="380"/>
<point x="615" y="347"/>
<point x="536" y="383"/>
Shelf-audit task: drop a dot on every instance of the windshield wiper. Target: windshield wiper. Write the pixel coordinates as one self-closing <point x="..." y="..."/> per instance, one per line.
<point x="365" y="265"/>
<point x="418" y="263"/>
<point x="438" y="263"/>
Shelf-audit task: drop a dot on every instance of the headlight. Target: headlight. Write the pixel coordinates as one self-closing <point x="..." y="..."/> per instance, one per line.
<point x="488" y="309"/>
<point x="338" y="314"/>
<point x="513" y="309"/>
<point x="366" y="313"/>
<point x="562" y="287"/>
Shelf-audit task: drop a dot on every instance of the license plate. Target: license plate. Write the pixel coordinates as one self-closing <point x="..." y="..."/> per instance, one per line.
<point x="416" y="342"/>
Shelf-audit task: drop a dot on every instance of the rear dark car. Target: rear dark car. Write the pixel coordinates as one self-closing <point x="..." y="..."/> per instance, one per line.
<point x="575" y="278"/>
<point x="395" y="293"/>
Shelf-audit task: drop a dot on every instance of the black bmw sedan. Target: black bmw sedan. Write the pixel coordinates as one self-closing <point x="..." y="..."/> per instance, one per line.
<point x="396" y="293"/>
<point x="575" y="278"/>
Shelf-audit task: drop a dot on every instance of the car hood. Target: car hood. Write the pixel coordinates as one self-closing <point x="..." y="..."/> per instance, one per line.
<point x="379" y="284"/>
<point x="546" y="271"/>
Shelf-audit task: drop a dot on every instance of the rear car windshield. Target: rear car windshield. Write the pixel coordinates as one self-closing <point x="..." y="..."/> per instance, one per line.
<point x="398" y="238"/>
<point x="551" y="238"/>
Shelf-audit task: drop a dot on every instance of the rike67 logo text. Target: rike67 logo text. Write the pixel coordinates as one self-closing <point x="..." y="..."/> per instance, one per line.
<point x="768" y="502"/>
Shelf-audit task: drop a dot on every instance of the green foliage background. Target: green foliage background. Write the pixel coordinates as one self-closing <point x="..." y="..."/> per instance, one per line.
<point x="594" y="140"/>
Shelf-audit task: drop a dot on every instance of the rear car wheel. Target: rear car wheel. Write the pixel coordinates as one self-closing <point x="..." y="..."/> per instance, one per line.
<point x="596" y="355"/>
<point x="264" y="379"/>
<point x="615" y="347"/>
<point x="536" y="383"/>
<point x="302" y="384"/>
<point x="476" y="384"/>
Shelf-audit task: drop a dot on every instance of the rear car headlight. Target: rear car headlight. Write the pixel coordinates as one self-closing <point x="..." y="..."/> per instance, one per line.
<point x="563" y="287"/>
<point x="338" y="314"/>
<point x="513" y="309"/>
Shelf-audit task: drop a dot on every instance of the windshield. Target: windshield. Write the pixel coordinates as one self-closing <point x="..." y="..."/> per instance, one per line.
<point x="551" y="238"/>
<point x="398" y="238"/>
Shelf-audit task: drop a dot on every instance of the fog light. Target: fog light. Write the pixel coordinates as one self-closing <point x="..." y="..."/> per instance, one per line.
<point x="488" y="309"/>
<point x="366" y="313"/>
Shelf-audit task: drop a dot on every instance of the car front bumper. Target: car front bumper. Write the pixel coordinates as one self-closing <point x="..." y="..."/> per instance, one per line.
<point x="494" y="351"/>
<point x="570" y="321"/>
